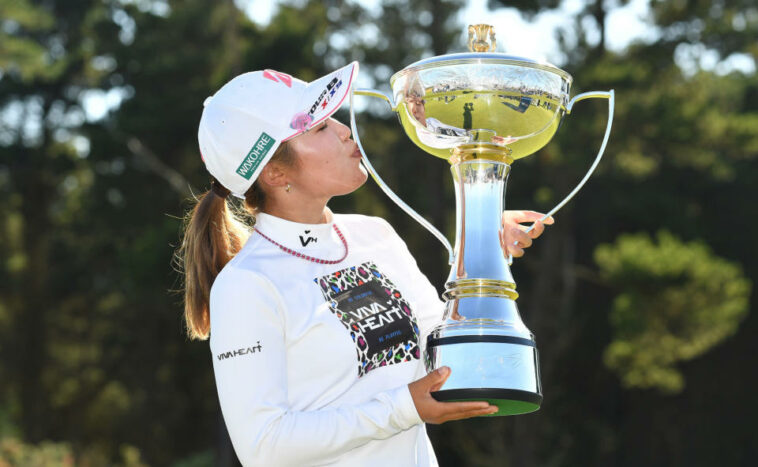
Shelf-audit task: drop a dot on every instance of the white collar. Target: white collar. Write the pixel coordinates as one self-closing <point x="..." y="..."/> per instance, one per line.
<point x="306" y="238"/>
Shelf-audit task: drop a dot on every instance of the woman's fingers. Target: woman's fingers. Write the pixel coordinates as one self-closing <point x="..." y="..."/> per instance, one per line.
<point x="539" y="227"/>
<point x="457" y="408"/>
<point x="507" y="244"/>
<point x="518" y="217"/>
<point x="460" y="415"/>
<point x="515" y="251"/>
<point x="513" y="241"/>
<point x="447" y="411"/>
<point x="476" y="413"/>
<point x="514" y="238"/>
<point x="523" y="239"/>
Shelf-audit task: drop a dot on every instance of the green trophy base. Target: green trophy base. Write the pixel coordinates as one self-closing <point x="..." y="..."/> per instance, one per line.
<point x="508" y="401"/>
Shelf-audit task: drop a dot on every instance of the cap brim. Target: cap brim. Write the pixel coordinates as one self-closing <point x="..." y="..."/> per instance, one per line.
<point x="322" y="98"/>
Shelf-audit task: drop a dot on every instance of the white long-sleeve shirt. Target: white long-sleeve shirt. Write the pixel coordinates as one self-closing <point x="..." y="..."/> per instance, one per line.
<point x="312" y="361"/>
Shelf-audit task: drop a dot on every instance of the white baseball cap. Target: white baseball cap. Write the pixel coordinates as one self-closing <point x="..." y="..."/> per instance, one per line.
<point x="251" y="115"/>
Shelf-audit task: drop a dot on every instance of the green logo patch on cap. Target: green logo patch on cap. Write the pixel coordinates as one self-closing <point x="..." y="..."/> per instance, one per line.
<point x="256" y="156"/>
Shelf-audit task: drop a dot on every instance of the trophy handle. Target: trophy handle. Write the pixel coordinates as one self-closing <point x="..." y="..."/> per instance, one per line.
<point x="378" y="179"/>
<point x="610" y="95"/>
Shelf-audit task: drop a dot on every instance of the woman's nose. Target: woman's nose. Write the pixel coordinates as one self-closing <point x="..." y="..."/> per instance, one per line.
<point x="344" y="131"/>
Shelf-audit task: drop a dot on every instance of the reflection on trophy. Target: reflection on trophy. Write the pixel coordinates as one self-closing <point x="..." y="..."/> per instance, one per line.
<point x="481" y="111"/>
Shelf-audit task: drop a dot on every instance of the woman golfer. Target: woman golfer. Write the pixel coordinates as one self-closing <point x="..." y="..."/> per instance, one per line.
<point x="317" y="321"/>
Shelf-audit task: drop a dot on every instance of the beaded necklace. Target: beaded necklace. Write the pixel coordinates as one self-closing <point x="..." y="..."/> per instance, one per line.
<point x="310" y="258"/>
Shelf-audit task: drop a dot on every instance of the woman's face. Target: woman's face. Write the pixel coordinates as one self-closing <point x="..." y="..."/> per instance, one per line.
<point x="328" y="161"/>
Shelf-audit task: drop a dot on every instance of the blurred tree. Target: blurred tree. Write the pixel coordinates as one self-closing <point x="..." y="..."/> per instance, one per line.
<point x="38" y="161"/>
<point x="47" y="454"/>
<point x="676" y="302"/>
<point x="20" y="52"/>
<point x="726" y="26"/>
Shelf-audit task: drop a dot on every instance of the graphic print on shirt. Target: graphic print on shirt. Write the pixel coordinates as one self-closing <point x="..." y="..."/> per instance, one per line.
<point x="380" y="321"/>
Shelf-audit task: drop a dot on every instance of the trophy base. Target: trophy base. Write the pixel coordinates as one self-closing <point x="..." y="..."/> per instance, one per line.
<point x="490" y="360"/>
<point x="508" y="401"/>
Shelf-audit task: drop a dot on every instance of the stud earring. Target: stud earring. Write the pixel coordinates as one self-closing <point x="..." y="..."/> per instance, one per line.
<point x="288" y="188"/>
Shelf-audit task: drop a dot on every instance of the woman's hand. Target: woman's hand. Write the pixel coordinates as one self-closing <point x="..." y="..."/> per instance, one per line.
<point x="513" y="232"/>
<point x="432" y="411"/>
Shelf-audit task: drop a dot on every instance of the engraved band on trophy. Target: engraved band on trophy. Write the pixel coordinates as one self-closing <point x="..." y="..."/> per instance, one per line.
<point x="481" y="111"/>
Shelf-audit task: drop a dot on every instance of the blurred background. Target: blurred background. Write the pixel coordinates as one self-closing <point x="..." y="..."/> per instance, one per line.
<point x="641" y="295"/>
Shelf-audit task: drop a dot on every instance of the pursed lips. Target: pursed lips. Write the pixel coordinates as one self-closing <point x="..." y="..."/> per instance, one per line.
<point x="356" y="153"/>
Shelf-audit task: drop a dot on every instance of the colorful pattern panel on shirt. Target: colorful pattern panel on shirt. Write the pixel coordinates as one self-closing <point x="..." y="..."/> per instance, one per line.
<point x="380" y="321"/>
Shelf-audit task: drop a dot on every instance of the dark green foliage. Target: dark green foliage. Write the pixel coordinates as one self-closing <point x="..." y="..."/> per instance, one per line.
<point x="675" y="302"/>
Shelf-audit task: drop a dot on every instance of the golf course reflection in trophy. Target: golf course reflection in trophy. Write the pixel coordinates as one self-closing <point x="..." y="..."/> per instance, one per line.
<point x="481" y="111"/>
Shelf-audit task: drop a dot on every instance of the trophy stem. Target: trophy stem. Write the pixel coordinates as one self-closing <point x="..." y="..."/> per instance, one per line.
<point x="479" y="266"/>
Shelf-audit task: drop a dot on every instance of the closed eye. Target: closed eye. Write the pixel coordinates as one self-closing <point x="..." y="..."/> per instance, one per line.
<point x="323" y="126"/>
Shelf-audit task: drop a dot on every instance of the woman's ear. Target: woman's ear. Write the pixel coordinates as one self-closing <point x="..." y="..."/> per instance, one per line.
<point x="273" y="175"/>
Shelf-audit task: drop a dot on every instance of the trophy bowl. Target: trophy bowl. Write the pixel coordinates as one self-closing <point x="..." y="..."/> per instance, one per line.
<point x="481" y="111"/>
<point x="514" y="103"/>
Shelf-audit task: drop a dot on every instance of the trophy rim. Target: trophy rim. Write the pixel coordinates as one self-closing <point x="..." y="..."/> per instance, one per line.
<point x="479" y="58"/>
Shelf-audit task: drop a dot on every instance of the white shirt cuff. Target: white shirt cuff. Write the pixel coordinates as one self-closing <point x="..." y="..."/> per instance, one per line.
<point x="405" y="415"/>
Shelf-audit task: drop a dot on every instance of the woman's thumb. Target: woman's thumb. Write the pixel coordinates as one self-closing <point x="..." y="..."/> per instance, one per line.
<point x="438" y="377"/>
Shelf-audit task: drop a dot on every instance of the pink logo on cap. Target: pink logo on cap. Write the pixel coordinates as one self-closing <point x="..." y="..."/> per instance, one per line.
<point x="278" y="77"/>
<point x="300" y="121"/>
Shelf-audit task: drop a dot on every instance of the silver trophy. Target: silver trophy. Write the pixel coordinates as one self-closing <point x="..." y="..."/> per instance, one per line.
<point x="481" y="111"/>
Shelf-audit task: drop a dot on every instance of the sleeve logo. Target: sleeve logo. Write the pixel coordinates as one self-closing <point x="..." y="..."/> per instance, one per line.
<point x="243" y="351"/>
